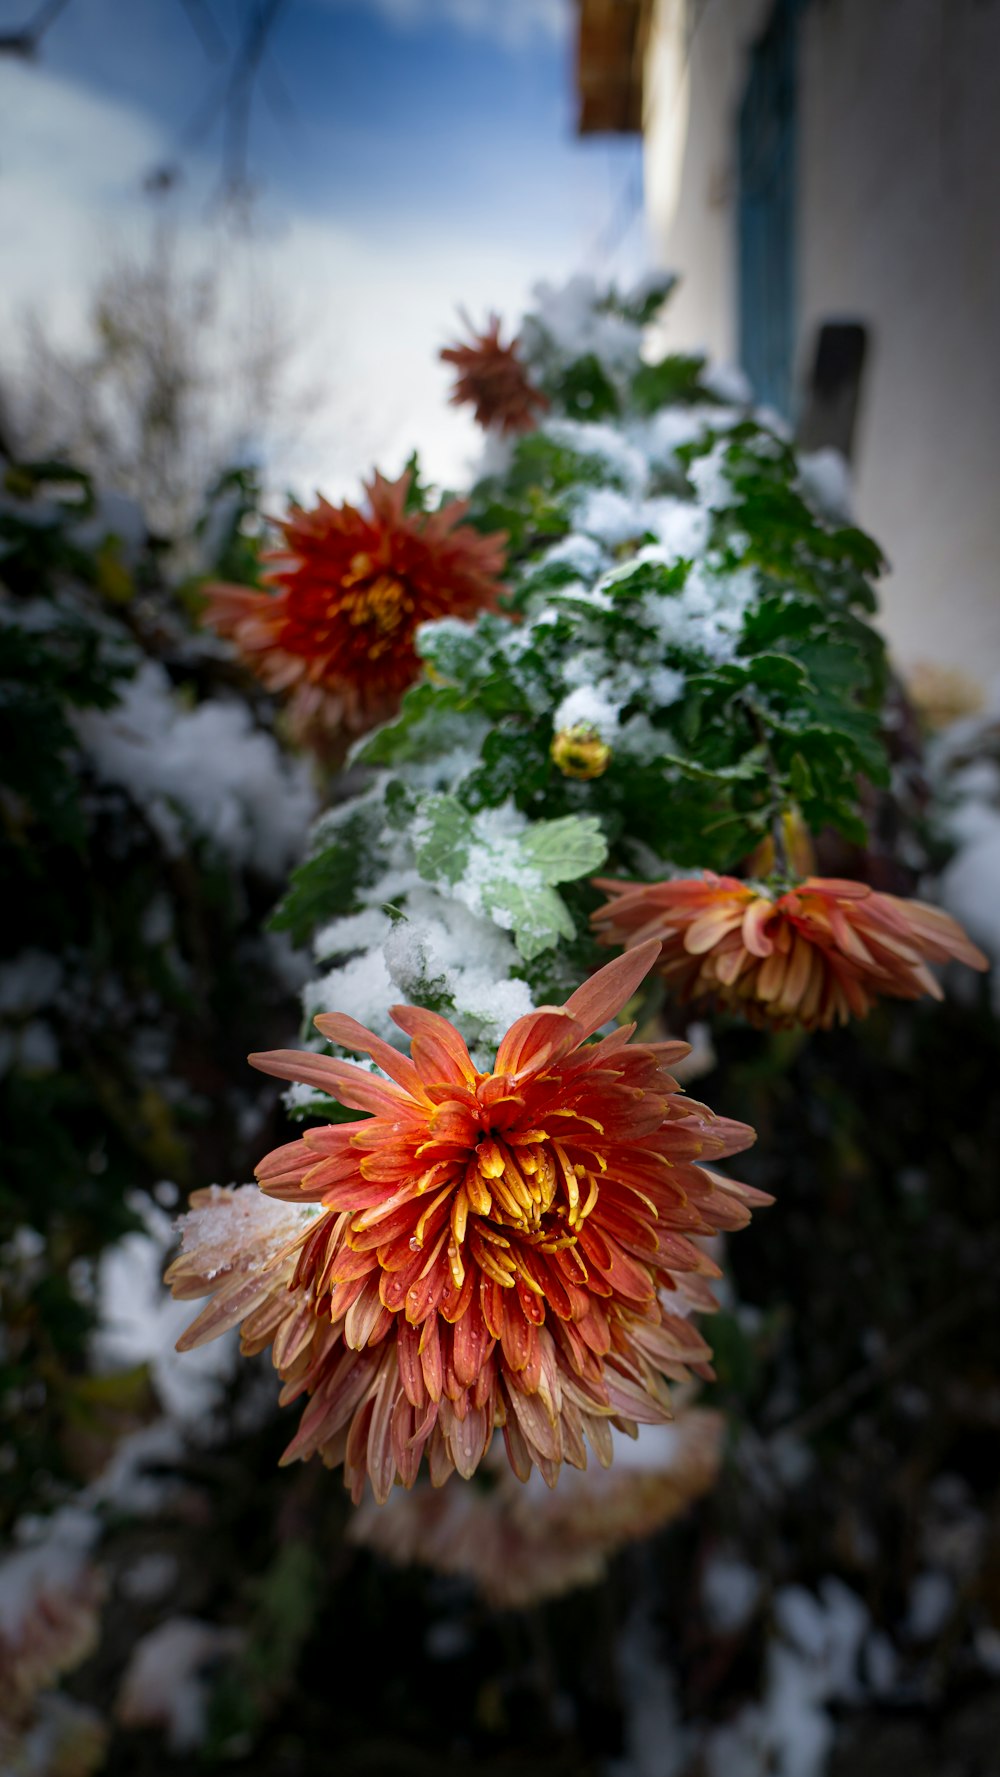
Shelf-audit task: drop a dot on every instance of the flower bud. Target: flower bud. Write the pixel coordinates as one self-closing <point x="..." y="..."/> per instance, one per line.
<point x="580" y="752"/>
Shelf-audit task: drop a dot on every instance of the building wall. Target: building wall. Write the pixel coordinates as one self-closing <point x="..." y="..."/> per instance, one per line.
<point x="695" y="71"/>
<point x="898" y="226"/>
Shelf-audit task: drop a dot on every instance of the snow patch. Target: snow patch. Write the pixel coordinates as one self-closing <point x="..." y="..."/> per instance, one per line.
<point x="207" y="769"/>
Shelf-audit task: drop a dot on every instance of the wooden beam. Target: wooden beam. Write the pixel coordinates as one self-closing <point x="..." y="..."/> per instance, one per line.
<point x="611" y="46"/>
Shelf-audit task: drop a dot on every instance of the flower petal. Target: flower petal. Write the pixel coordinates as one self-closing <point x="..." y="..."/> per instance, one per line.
<point x="611" y="988"/>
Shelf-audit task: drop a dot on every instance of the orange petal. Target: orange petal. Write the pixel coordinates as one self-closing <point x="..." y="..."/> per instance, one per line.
<point x="338" y="1028"/>
<point x="612" y="987"/>
<point x="755" y="920"/>
<point x="438" y="1050"/>
<point x="705" y="932"/>
<point x="538" y="1039"/>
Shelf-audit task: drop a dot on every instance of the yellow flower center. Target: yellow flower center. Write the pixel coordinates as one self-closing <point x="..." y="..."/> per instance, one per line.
<point x="528" y="1188"/>
<point x="374" y="600"/>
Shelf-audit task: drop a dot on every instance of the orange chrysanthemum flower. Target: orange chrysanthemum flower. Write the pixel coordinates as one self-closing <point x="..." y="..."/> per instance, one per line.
<point x="50" y="1625"/>
<point x="351" y="588"/>
<point x="815" y="956"/>
<point x="493" y="379"/>
<point x="489" y="1249"/>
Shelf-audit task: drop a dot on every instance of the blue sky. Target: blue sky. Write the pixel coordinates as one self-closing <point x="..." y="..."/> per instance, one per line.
<point x="429" y="158"/>
<point x="399" y="105"/>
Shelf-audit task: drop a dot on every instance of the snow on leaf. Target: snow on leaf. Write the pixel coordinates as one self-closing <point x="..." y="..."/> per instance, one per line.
<point x="442" y="835"/>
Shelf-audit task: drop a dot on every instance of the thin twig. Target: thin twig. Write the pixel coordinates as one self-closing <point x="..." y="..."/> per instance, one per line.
<point x="241" y="84"/>
<point x="25" y="42"/>
<point x="206" y="29"/>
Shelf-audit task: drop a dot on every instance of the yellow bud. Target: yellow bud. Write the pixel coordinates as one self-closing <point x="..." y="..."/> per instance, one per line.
<point x="113" y="577"/>
<point x="580" y="752"/>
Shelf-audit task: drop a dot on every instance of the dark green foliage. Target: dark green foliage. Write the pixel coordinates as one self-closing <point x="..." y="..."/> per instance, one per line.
<point x="528" y="502"/>
<point x="133" y="970"/>
<point x="675" y="380"/>
<point x="231" y="528"/>
<point x="584" y="391"/>
<point x="43" y="675"/>
<point x="331" y="875"/>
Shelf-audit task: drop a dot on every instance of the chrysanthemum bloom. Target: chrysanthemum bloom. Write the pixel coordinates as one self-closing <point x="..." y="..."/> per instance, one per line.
<point x="350" y="589"/>
<point x="61" y="1738"/>
<point x="52" y="1596"/>
<point x="815" y="956"/>
<point x="522" y="1544"/>
<point x="240" y="1248"/>
<point x="492" y="377"/>
<point x="486" y="1249"/>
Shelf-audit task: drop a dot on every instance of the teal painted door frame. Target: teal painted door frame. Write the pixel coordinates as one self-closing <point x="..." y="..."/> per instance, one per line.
<point x="766" y="211"/>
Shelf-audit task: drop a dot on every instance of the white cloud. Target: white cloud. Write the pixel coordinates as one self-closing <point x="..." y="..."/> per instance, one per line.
<point x="372" y="313"/>
<point x="514" y="23"/>
<point x="369" y="304"/>
<point x="368" y="311"/>
<point x="71" y="169"/>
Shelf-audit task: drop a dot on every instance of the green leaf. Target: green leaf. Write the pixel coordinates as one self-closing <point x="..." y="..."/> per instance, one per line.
<point x="324" y="1109"/>
<point x="326" y="884"/>
<point x="419" y="492"/>
<point x="856" y="546"/>
<point x="750" y="766"/>
<point x="800" y="778"/>
<point x="515" y="874"/>
<point x="457" y="650"/>
<point x="647" y="306"/>
<point x="538" y="915"/>
<point x="647" y="577"/>
<point x="584" y="390"/>
<point x="780" y="618"/>
<point x="418" y="730"/>
<point x="779" y="673"/>
<point x="562" y="850"/>
<point x="514" y="763"/>
<point x="675" y="380"/>
<point x="442" y="837"/>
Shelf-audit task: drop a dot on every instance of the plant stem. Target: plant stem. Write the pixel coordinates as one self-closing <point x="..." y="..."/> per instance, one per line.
<point x="779" y="798"/>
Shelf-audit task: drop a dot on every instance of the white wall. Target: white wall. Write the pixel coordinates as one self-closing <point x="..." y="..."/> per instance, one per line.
<point x="898" y="227"/>
<point x="693" y="86"/>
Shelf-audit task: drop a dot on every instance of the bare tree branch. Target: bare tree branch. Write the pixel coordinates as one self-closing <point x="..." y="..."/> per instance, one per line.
<point x="207" y="30"/>
<point x="24" y="43"/>
<point x="230" y="99"/>
<point x="239" y="96"/>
